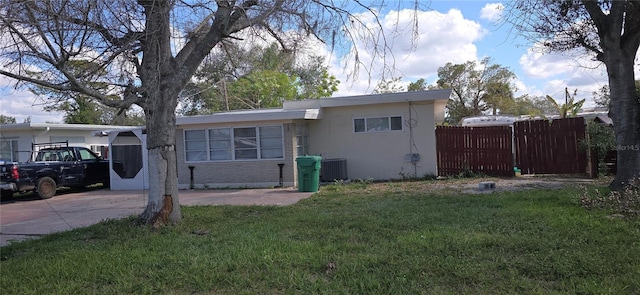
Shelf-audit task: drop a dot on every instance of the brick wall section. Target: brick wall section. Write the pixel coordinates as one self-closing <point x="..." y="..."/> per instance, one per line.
<point x="240" y="174"/>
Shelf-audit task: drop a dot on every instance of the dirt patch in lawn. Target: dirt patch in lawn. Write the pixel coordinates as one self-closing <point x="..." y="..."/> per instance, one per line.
<point x="487" y="184"/>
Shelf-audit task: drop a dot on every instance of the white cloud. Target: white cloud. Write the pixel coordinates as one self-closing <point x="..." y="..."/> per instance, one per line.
<point x="440" y="38"/>
<point x="573" y="70"/>
<point x="492" y="12"/>
<point x="22" y="104"/>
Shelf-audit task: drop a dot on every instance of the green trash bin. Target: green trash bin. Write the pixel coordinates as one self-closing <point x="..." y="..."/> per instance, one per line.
<point x="308" y="173"/>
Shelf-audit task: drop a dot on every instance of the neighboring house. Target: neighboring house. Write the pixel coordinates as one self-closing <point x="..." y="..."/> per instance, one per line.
<point x="380" y="137"/>
<point x="16" y="139"/>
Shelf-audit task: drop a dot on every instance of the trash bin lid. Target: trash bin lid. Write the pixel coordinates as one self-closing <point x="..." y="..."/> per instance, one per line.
<point x="308" y="160"/>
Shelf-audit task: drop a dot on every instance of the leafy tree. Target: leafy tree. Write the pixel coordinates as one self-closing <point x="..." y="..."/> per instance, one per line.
<point x="277" y="73"/>
<point x="600" y="141"/>
<point x="476" y="87"/>
<point x="602" y="97"/>
<point x="389" y="86"/>
<point x="570" y="108"/>
<point x="498" y="96"/>
<point x="151" y="50"/>
<point x="608" y="30"/>
<point x="262" y="89"/>
<point x="7" y="120"/>
<point x="418" y="85"/>
<point x="530" y="106"/>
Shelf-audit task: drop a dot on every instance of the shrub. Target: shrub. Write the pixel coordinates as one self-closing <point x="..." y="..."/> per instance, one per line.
<point x="600" y="141"/>
<point x="625" y="202"/>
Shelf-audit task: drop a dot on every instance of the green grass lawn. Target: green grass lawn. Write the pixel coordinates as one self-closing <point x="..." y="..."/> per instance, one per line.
<point x="388" y="238"/>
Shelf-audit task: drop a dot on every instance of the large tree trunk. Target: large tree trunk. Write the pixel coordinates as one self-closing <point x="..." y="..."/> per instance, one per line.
<point x="163" y="206"/>
<point x="161" y="98"/>
<point x="624" y="110"/>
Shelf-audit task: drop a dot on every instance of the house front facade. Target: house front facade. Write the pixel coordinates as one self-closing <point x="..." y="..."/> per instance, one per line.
<point x="379" y="137"/>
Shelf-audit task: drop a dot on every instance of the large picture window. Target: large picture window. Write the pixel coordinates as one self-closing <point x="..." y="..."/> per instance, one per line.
<point x="377" y="124"/>
<point x="224" y="144"/>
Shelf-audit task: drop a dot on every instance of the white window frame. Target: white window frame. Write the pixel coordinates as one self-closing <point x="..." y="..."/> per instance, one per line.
<point x="368" y="129"/>
<point x="209" y="149"/>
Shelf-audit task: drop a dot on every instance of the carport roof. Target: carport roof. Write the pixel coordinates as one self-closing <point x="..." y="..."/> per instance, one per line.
<point x="57" y="126"/>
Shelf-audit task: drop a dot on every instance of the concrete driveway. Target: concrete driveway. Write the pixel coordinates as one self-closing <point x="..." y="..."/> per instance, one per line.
<point x="28" y="217"/>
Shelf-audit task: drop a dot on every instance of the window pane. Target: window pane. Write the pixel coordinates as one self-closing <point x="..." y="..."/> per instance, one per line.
<point x="246" y="154"/>
<point x="5" y="150"/>
<point x="244" y="132"/>
<point x="196" y="156"/>
<point x="219" y="155"/>
<point x="378" y="124"/>
<point x="358" y="125"/>
<point x="220" y="144"/>
<point x="194" y="135"/>
<point x="271" y="153"/>
<point x="396" y="123"/>
<point x="196" y="145"/>
<point x="271" y="131"/>
<point x="221" y="133"/>
<point x="14" y="147"/>
<point x="270" y="143"/>
<point x="245" y="143"/>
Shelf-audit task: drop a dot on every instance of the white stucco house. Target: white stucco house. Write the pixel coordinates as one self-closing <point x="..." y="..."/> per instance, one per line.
<point x="16" y="139"/>
<point x="380" y="137"/>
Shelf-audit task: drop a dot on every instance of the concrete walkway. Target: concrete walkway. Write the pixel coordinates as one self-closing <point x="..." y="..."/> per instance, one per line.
<point x="27" y="217"/>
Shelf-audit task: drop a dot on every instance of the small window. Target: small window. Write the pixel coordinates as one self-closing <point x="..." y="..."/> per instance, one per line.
<point x="377" y="124"/>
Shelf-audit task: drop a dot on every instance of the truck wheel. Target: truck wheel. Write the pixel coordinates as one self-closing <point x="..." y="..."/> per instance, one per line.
<point x="6" y="194"/>
<point x="46" y="187"/>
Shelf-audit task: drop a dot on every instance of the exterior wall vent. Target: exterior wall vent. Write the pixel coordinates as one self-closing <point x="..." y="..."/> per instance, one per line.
<point x="333" y="169"/>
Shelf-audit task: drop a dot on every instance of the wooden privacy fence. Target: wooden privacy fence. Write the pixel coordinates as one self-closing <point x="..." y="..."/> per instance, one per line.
<point x="478" y="149"/>
<point x="544" y="147"/>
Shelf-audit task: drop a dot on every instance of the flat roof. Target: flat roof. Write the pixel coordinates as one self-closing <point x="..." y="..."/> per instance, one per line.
<point x="251" y="116"/>
<point x="57" y="126"/>
<point x="311" y="109"/>
<point x="370" y="99"/>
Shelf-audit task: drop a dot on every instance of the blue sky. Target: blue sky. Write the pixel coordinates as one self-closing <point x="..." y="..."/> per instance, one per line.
<point x="449" y="31"/>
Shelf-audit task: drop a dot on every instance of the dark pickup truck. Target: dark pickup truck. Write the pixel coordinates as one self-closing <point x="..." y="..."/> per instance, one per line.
<point x="51" y="168"/>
